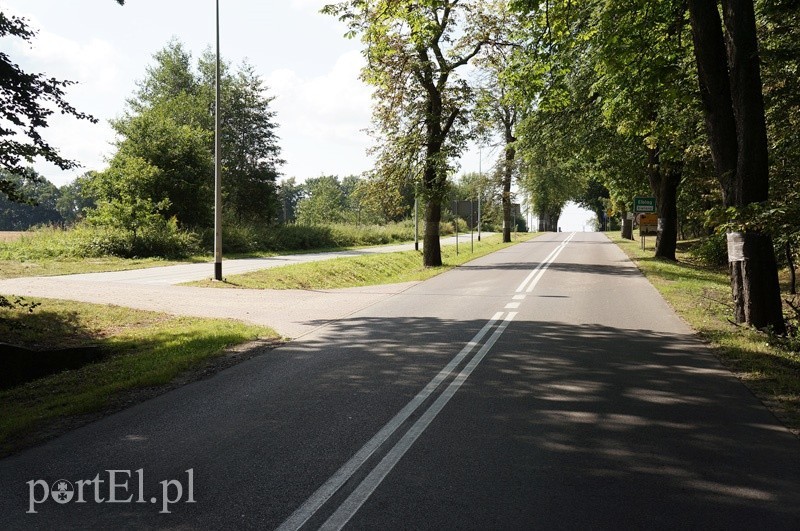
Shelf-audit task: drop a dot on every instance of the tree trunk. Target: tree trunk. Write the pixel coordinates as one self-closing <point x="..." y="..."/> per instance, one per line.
<point x="792" y="270"/>
<point x="752" y="277"/>
<point x="627" y="228"/>
<point x="761" y="288"/>
<point x="667" y="242"/>
<point x="431" y="248"/>
<point x="730" y="85"/>
<point x="664" y="183"/>
<point x="548" y="221"/>
<point x="752" y="161"/>
<point x="507" y="198"/>
<point x="715" y="91"/>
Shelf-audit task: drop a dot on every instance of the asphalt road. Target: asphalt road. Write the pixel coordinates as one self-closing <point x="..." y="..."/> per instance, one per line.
<point x="545" y="386"/>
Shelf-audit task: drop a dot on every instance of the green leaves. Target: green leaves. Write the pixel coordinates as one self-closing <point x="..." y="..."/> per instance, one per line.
<point x="170" y="127"/>
<point x="414" y="51"/>
<point x="26" y="103"/>
<point x="324" y="202"/>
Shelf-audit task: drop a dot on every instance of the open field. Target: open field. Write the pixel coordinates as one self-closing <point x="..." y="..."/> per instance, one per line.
<point x="10" y="235"/>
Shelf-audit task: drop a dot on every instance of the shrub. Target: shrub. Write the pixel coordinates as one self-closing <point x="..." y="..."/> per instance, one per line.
<point x="711" y="251"/>
<point x="93" y="241"/>
<point x="165" y="239"/>
<point x="247" y="238"/>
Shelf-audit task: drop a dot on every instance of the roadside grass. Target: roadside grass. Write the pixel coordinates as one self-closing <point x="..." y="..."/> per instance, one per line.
<point x="768" y="365"/>
<point x="145" y="350"/>
<point x="367" y="270"/>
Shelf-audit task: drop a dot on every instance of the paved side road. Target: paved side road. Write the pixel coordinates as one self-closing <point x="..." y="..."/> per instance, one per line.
<point x="292" y="313"/>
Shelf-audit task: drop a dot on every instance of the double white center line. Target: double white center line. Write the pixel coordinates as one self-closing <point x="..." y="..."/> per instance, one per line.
<point x="533" y="278"/>
<point x="362" y="492"/>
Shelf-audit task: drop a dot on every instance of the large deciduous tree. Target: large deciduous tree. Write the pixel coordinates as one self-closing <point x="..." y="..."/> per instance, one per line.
<point x="643" y="68"/>
<point x="414" y="51"/>
<point x="726" y="51"/>
<point x="498" y="111"/>
<point x="169" y="125"/>
<point x="324" y="201"/>
<point x="250" y="150"/>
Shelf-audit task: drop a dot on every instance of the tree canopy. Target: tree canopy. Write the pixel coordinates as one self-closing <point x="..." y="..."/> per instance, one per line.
<point x="414" y="54"/>
<point x="27" y="101"/>
<point x="167" y="136"/>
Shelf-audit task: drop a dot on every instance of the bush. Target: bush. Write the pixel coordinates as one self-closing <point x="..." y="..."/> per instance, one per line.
<point x="93" y="241"/>
<point x="711" y="251"/>
<point x="164" y="239"/>
<point x="248" y="238"/>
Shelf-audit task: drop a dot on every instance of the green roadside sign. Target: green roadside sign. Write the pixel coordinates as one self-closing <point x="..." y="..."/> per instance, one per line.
<point x="644" y="205"/>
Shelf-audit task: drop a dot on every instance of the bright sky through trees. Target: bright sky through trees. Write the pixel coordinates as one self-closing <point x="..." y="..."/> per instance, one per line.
<point x="303" y="58"/>
<point x="322" y="107"/>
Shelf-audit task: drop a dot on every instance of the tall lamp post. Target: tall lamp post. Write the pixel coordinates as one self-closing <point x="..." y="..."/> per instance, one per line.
<point x="480" y="187"/>
<point x="217" y="171"/>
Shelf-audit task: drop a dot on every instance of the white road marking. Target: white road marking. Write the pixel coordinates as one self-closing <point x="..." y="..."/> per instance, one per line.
<point x="364" y="490"/>
<point x="520" y="297"/>
<point x="361" y="493"/>
<point x="340" y="477"/>
<point x="512" y="305"/>
<point x="541" y="268"/>
<point x="530" y="275"/>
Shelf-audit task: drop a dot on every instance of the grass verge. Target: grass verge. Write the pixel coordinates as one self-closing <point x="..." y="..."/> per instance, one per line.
<point x="367" y="270"/>
<point x="768" y="365"/>
<point x="147" y="351"/>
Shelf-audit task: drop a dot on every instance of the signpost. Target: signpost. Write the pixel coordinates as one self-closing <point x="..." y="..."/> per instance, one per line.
<point x="644" y="205"/>
<point x="648" y="224"/>
<point x="648" y="218"/>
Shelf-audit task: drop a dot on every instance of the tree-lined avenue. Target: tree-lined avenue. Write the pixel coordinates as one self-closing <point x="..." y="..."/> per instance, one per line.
<point x="585" y="402"/>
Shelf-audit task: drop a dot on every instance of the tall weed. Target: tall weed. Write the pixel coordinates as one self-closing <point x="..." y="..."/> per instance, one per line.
<point x="166" y="240"/>
<point x="86" y="241"/>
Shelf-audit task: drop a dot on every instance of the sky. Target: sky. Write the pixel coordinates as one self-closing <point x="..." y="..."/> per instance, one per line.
<point x="309" y="67"/>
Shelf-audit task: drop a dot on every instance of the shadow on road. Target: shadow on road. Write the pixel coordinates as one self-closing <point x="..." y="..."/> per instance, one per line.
<point x="610" y="416"/>
<point x="569" y="267"/>
<point x="560" y="426"/>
